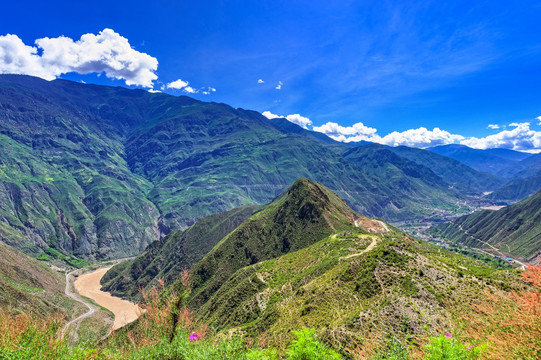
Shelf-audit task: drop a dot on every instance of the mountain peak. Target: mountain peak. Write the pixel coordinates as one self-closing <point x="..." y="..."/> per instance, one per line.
<point x="304" y="214"/>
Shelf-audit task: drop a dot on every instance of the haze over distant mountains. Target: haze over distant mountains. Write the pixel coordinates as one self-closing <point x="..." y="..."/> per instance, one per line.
<point x="102" y="172"/>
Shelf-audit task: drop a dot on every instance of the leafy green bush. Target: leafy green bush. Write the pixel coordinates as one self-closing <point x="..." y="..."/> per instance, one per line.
<point x="446" y="347"/>
<point x="305" y="347"/>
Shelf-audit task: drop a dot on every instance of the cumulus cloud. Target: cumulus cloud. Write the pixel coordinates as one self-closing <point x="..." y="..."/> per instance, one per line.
<point x="184" y="86"/>
<point x="356" y="132"/>
<point x="539" y="118"/>
<point x="279" y="86"/>
<point x="519" y="138"/>
<point x="493" y="126"/>
<point x="177" y="84"/>
<point x="421" y="138"/>
<point x="107" y="52"/>
<point x="302" y="121"/>
<point x="270" y="115"/>
<point x="298" y="119"/>
<point x="260" y="81"/>
<point x="153" y="91"/>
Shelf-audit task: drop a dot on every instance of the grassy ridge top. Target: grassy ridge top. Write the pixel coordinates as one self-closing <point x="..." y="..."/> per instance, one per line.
<point x="305" y="214"/>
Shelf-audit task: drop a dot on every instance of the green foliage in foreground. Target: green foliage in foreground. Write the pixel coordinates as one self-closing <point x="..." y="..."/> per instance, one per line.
<point x="446" y="347"/>
<point x="36" y="342"/>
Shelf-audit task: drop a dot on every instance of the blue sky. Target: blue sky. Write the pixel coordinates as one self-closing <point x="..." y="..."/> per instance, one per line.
<point x="386" y="66"/>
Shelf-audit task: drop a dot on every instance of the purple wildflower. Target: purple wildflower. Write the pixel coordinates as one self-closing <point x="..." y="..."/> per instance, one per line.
<point x="448" y="335"/>
<point x="193" y="337"/>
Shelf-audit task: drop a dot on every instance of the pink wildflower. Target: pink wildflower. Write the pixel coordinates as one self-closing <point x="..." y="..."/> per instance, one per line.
<point x="193" y="337"/>
<point x="448" y="335"/>
<point x="469" y="347"/>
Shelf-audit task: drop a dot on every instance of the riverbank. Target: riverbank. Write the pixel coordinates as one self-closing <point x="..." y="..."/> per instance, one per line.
<point x="88" y="285"/>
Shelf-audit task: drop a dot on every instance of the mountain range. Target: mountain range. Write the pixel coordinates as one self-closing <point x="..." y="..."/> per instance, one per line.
<point x="102" y="172"/>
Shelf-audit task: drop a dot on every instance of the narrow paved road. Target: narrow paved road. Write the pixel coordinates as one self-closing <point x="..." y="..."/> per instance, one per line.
<point x="91" y="308"/>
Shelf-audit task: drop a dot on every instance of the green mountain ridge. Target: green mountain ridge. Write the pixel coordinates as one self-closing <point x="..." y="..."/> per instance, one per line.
<point x="166" y="259"/>
<point x="102" y="172"/>
<point x="304" y="214"/>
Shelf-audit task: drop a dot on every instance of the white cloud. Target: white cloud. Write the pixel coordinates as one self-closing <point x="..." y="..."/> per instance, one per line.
<point x="260" y="81"/>
<point x="539" y="118"/>
<point x="420" y="138"/>
<point x="279" y="86"/>
<point x="177" y="84"/>
<point x="298" y="119"/>
<point x="302" y="121"/>
<point x="519" y="138"/>
<point x="107" y="52"/>
<point x="154" y="91"/>
<point x="270" y="115"/>
<point x="493" y="126"/>
<point x="356" y="132"/>
<point x="184" y="86"/>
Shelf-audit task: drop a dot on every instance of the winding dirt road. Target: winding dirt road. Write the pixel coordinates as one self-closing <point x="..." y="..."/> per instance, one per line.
<point x="91" y="308"/>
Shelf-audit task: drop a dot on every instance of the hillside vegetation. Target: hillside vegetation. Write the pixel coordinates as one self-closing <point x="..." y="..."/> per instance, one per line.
<point x="31" y="286"/>
<point x="166" y="259"/>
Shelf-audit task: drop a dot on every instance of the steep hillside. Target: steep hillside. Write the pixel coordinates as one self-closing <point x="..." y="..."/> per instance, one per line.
<point x="514" y="230"/>
<point x="166" y="259"/>
<point x="101" y="172"/>
<point x="303" y="215"/>
<point x="354" y="287"/>
<point x="518" y="189"/>
<point x="28" y="285"/>
<point x="492" y="161"/>
<point x="528" y="167"/>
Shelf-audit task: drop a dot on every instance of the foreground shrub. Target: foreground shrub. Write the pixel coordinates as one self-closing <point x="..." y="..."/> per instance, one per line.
<point x="305" y="347"/>
<point x="446" y="347"/>
<point x="23" y="337"/>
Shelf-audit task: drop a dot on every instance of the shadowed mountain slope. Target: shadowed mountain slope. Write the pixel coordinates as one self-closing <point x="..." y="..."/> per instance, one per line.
<point x="166" y="259"/>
